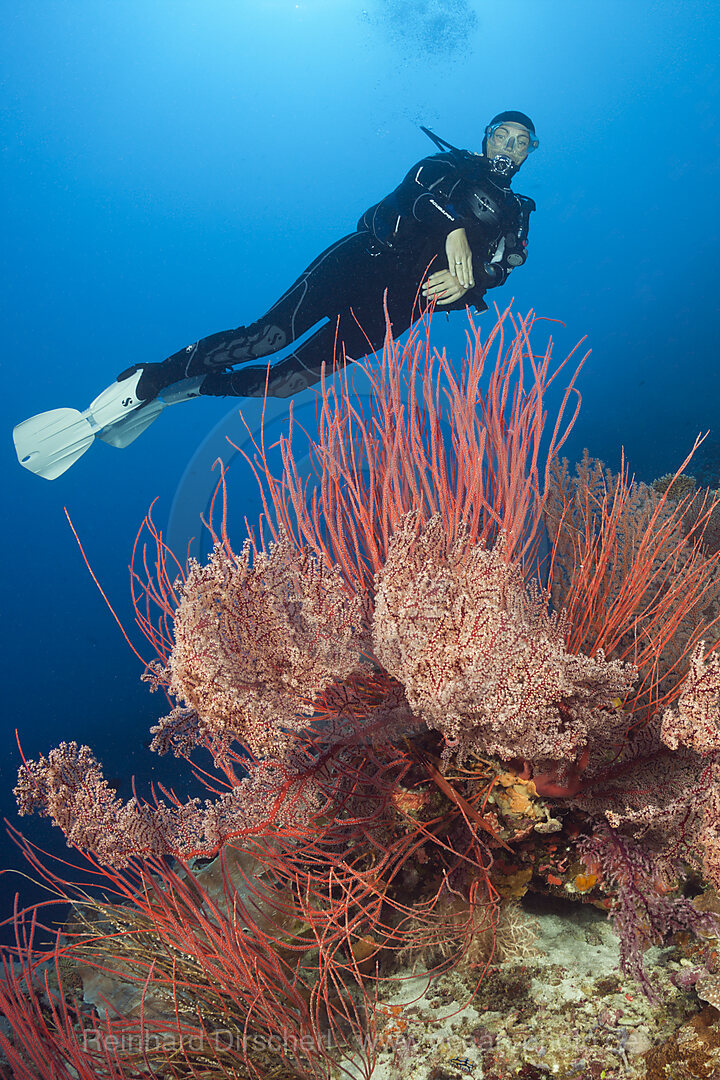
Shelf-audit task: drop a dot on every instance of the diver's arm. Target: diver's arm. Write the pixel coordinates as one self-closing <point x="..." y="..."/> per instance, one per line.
<point x="447" y="287"/>
<point x="427" y="194"/>
<point x="424" y="198"/>
<point x="490" y="276"/>
<point x="448" y="291"/>
<point x="459" y="257"/>
<point x="510" y="253"/>
<point x="449" y="295"/>
<point x="444" y="288"/>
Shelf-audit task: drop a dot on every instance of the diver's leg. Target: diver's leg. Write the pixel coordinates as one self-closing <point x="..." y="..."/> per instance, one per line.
<point x="302" y="368"/>
<point x="355" y="333"/>
<point x="320" y="291"/>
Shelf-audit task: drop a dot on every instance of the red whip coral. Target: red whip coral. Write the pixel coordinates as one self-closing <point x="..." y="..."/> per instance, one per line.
<point x="632" y="575"/>
<point x="471" y="446"/>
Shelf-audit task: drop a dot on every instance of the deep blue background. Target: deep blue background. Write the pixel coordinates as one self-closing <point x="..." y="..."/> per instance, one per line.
<point x="169" y="166"/>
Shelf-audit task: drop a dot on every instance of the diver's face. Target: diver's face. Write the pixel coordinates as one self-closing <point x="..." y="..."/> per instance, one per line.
<point x="509" y="140"/>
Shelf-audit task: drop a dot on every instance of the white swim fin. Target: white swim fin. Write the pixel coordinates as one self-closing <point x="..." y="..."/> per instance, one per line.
<point x="49" y="443"/>
<point x="120" y="433"/>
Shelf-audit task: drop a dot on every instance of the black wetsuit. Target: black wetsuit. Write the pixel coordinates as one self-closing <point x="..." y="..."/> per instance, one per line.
<point x="395" y="243"/>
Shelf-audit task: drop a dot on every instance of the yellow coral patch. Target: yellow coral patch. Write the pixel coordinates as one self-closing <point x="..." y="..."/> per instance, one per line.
<point x="585" y="882"/>
<point x="520" y="804"/>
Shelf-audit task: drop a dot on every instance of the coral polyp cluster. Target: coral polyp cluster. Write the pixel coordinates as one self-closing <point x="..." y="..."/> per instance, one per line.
<point x="450" y="674"/>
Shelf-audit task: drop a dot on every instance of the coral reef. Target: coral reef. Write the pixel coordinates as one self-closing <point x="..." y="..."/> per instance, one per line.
<point x="453" y="676"/>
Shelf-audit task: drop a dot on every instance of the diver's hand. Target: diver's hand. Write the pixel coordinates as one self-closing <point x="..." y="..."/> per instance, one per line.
<point x="459" y="257"/>
<point x="443" y="287"/>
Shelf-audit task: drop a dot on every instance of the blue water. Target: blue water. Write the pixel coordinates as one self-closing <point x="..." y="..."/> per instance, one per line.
<point x="170" y="166"/>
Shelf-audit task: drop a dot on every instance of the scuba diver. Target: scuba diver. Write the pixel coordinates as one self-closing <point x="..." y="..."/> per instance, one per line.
<point x="449" y="232"/>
